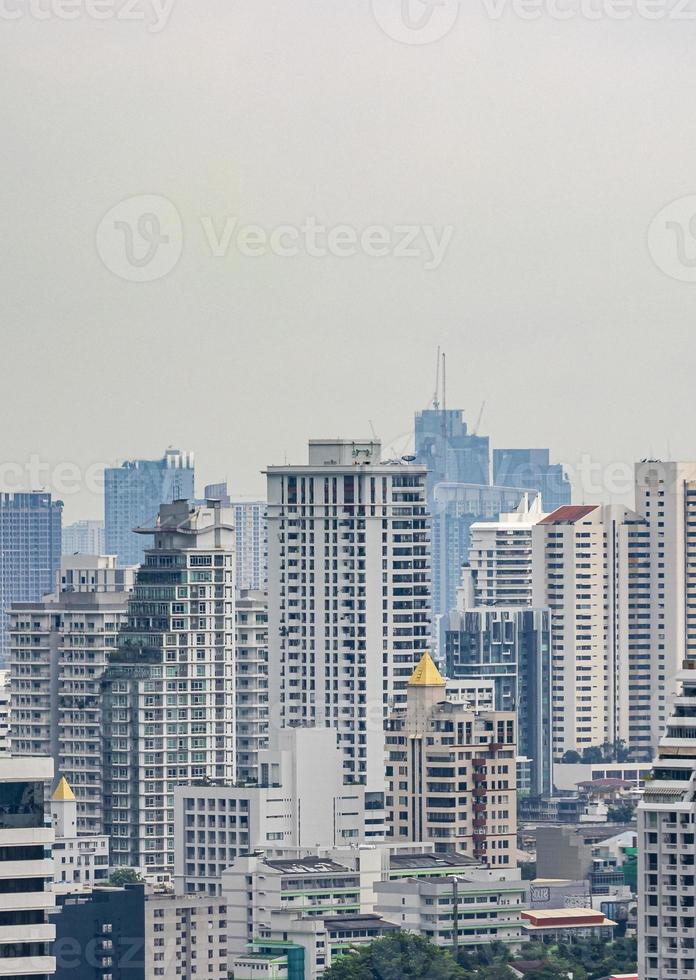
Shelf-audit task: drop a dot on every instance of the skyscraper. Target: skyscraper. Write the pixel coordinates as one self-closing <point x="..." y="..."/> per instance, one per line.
<point x="531" y="468"/>
<point x="451" y="453"/>
<point x="349" y="587"/>
<point x="133" y="493"/>
<point x="169" y="690"/>
<point x="666" y="845"/>
<point x="84" y="538"/>
<point x="251" y="617"/>
<point x="666" y="498"/>
<point x="591" y="567"/>
<point x="512" y="648"/>
<point x="30" y="548"/>
<point x="251" y="537"/>
<point x="500" y="557"/>
<point x="60" y="647"/>
<point x="455" y="508"/>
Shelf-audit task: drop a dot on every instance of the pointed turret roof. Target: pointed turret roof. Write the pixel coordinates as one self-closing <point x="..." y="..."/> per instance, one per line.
<point x="62" y="793"/>
<point x="426" y="674"/>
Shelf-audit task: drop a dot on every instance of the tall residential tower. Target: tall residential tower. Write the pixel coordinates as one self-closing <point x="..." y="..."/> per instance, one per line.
<point x="349" y="589"/>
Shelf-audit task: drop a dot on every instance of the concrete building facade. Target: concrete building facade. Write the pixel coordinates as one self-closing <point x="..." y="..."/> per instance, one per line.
<point x="451" y="774"/>
<point x="60" y="648"/>
<point x="169" y="689"/>
<point x="667" y="846"/>
<point x="349" y="594"/>
<point x="591" y="567"/>
<point x="300" y="802"/>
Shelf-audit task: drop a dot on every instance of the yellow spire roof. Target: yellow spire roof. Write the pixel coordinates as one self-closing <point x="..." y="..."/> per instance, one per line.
<point x="62" y="793"/>
<point x="426" y="674"/>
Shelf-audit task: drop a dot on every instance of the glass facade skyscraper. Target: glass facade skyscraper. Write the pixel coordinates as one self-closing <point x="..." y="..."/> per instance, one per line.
<point x="531" y="469"/>
<point x="133" y="494"/>
<point x="30" y="549"/>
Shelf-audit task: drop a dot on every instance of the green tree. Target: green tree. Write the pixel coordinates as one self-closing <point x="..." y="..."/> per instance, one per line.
<point x="400" y="956"/>
<point x="572" y="757"/>
<point x="125" y="876"/>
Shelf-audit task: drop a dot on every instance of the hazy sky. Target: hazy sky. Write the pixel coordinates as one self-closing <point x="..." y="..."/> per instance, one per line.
<point x="545" y="146"/>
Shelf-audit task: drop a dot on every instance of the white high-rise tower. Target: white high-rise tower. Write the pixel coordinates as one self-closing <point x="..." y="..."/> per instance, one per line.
<point x="169" y="690"/>
<point x="349" y="586"/>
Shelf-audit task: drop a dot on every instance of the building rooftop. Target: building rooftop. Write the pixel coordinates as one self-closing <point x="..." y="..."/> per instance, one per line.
<point x="568" y="514"/>
<point x="424" y="862"/>
<point x="308" y="865"/>
<point x="62" y="793"/>
<point x="426" y="674"/>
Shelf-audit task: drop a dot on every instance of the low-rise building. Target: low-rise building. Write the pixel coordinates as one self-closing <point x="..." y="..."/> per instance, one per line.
<point x="81" y="861"/>
<point x="26" y="869"/>
<point x="567" y="925"/>
<point x="478" y="906"/>
<point x="300" y="802"/>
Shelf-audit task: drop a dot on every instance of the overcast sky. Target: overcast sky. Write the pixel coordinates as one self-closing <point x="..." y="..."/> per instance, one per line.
<point x="534" y="153"/>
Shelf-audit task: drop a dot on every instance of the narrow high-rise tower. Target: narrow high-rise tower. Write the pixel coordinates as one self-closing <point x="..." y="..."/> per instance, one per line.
<point x="169" y="691"/>
<point x="349" y="587"/>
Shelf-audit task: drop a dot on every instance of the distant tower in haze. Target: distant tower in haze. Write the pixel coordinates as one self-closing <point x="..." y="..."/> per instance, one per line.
<point x="133" y="493"/>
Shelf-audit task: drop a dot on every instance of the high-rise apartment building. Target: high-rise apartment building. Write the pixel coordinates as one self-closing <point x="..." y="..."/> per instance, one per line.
<point x="455" y="509"/>
<point x="511" y="647"/>
<point x="251" y="536"/>
<point x="84" y="538"/>
<point x="349" y="591"/>
<point x="30" y="547"/>
<point x="133" y="493"/>
<point x="60" y="648"/>
<point x="4" y="712"/>
<point x="532" y="468"/>
<point x="451" y="773"/>
<point x="666" y="498"/>
<point x="251" y="617"/>
<point x="667" y="846"/>
<point x="26" y="870"/>
<point x="169" y="689"/>
<point x="591" y="567"/>
<point x="500" y="557"/>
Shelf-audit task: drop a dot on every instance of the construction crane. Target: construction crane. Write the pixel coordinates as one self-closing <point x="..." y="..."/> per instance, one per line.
<point x="476" y="428"/>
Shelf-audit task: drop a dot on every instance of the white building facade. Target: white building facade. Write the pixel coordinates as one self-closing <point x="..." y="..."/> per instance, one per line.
<point x="667" y="846"/>
<point x="349" y="585"/>
<point x="169" y="690"/>
<point x="300" y="802"/>
<point x="591" y="567"/>
<point x="251" y="619"/>
<point x="59" y="650"/>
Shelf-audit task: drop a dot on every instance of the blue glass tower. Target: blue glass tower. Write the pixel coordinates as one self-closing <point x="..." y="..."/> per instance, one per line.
<point x="133" y="493"/>
<point x="30" y="549"/>
<point x="531" y="468"/>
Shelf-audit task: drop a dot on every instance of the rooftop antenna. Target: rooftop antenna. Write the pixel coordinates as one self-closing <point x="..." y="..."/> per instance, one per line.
<point x="444" y="383"/>
<point x="436" y="396"/>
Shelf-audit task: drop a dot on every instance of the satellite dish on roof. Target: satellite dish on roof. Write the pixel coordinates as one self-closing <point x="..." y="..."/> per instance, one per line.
<point x="409" y="459"/>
